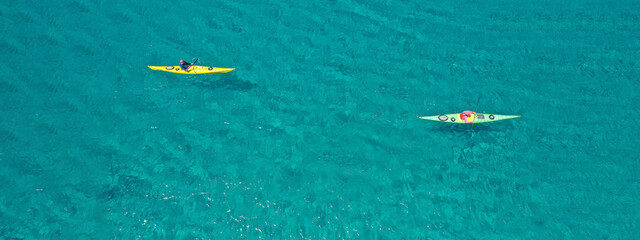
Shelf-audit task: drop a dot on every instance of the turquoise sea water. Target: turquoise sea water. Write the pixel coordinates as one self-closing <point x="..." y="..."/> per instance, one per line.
<point x="315" y="134"/>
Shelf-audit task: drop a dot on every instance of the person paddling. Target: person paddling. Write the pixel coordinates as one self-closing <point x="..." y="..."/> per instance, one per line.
<point x="185" y="65"/>
<point x="466" y="115"/>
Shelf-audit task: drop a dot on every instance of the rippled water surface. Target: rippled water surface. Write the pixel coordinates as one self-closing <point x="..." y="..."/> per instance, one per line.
<point x="315" y="134"/>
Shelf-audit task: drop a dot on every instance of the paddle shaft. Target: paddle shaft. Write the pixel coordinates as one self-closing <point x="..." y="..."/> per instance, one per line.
<point x="475" y="113"/>
<point x="194" y="63"/>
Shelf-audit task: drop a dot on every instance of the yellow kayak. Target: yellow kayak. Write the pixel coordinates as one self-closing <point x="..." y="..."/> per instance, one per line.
<point x="192" y="69"/>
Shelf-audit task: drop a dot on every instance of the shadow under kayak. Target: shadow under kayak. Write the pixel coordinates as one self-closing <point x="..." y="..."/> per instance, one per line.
<point x="192" y="69"/>
<point x="479" y="118"/>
